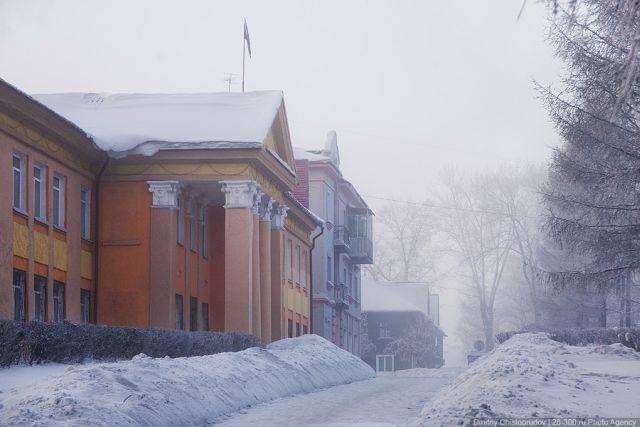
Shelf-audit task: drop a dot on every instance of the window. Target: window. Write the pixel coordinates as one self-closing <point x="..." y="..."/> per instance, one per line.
<point x="18" y="182"/>
<point x="193" y="314"/>
<point x="40" y="298"/>
<point x="180" y="229"/>
<point x="58" y="200"/>
<point x="19" y="295"/>
<point x="304" y="330"/>
<point x="58" y="302"/>
<point x="205" y="316"/>
<point x="287" y="259"/>
<point x="85" y="306"/>
<point x="329" y="268"/>
<point x="304" y="270"/>
<point x="39" y="193"/>
<point x="296" y="264"/>
<point x="289" y="328"/>
<point x="179" y="313"/>
<point x="204" y="238"/>
<point x="85" y="213"/>
<point x="297" y="329"/>
<point x="193" y="244"/>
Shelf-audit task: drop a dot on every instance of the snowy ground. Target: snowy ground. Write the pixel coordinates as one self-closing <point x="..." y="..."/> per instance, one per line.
<point x="381" y="401"/>
<point x="531" y="376"/>
<point x="181" y="391"/>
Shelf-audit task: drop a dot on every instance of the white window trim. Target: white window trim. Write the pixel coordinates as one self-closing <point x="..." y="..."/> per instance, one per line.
<point x="85" y="221"/>
<point x="62" y="180"/>
<point x="42" y="184"/>
<point x="21" y="206"/>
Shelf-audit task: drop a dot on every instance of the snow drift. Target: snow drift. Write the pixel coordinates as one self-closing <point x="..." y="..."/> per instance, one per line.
<point x="181" y="391"/>
<point x="532" y="376"/>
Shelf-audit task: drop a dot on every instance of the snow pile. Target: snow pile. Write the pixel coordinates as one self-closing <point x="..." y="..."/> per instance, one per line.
<point x="125" y="124"/>
<point x="181" y="391"/>
<point x="532" y="376"/>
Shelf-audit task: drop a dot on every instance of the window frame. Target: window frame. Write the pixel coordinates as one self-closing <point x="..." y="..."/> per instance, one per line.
<point x="180" y="219"/>
<point x="21" y="206"/>
<point x="288" y="264"/>
<point x="39" y="298"/>
<point x="59" y="302"/>
<point x="205" y="316"/>
<point x="193" y="314"/>
<point x="59" y="211"/>
<point x="85" y="305"/>
<point x="40" y="183"/>
<point x="204" y="236"/>
<point x="22" y="288"/>
<point x="85" y="213"/>
<point x="193" y="235"/>
<point x="296" y="263"/>
<point x="179" y="312"/>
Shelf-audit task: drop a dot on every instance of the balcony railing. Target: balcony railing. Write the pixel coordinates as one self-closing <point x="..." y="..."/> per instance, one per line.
<point x="342" y="296"/>
<point x="361" y="250"/>
<point x="341" y="239"/>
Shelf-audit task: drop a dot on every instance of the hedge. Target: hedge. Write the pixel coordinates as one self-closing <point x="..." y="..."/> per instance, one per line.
<point x="36" y="342"/>
<point x="629" y="337"/>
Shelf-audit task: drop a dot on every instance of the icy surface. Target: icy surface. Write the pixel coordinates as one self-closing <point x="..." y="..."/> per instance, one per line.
<point x="145" y="123"/>
<point x="383" y="401"/>
<point x="532" y="376"/>
<point x="192" y="391"/>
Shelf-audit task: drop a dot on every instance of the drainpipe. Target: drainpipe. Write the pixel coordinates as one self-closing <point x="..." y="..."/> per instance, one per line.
<point x="313" y="245"/>
<point x="96" y="249"/>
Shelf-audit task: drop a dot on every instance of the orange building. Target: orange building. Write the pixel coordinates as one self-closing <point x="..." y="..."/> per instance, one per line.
<point x="191" y="194"/>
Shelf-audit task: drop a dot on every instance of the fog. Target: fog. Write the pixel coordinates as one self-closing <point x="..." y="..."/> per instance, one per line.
<point x="411" y="87"/>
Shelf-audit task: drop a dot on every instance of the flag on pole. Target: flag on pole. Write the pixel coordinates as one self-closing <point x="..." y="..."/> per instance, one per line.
<point x="246" y="37"/>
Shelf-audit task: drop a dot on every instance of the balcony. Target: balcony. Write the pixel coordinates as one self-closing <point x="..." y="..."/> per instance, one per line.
<point x="360" y="241"/>
<point x="342" y="296"/>
<point x="341" y="239"/>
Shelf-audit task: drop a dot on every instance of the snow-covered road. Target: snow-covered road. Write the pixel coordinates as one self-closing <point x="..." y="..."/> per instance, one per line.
<point x="382" y="401"/>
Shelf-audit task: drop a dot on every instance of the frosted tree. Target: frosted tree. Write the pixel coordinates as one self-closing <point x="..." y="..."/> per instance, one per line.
<point x="593" y="190"/>
<point x="403" y="243"/>
<point x="481" y="236"/>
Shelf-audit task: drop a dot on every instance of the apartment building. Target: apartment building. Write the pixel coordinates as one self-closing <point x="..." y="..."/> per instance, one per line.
<point x="343" y="248"/>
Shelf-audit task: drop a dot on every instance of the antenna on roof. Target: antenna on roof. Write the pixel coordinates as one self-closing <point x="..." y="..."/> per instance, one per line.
<point x="229" y="78"/>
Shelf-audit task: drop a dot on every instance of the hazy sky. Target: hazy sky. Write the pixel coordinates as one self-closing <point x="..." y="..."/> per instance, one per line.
<point x="410" y="86"/>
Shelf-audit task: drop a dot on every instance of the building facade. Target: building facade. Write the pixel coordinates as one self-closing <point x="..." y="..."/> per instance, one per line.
<point x="341" y="250"/>
<point x="398" y="313"/>
<point x="176" y="212"/>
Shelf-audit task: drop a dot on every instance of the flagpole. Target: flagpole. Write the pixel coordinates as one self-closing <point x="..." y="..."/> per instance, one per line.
<point x="243" y="53"/>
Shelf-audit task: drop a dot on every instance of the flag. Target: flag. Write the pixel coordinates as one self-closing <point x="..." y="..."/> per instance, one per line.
<point x="246" y="37"/>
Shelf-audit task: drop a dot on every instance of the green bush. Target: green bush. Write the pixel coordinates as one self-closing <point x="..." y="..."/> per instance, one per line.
<point x="36" y="342"/>
<point x="629" y="337"/>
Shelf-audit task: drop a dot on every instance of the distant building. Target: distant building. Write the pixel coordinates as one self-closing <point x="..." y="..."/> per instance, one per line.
<point x="343" y="248"/>
<point x="406" y="317"/>
<point x="153" y="210"/>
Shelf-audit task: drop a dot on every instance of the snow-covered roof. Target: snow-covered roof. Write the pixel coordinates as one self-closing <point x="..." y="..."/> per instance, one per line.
<point x="123" y="124"/>
<point x="394" y="296"/>
<point x="304" y="154"/>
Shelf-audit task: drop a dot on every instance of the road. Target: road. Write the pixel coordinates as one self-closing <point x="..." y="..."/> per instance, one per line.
<point x="382" y="401"/>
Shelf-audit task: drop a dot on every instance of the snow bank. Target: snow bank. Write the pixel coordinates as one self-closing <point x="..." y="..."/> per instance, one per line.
<point x="181" y="391"/>
<point x="532" y="376"/>
<point x="145" y="123"/>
